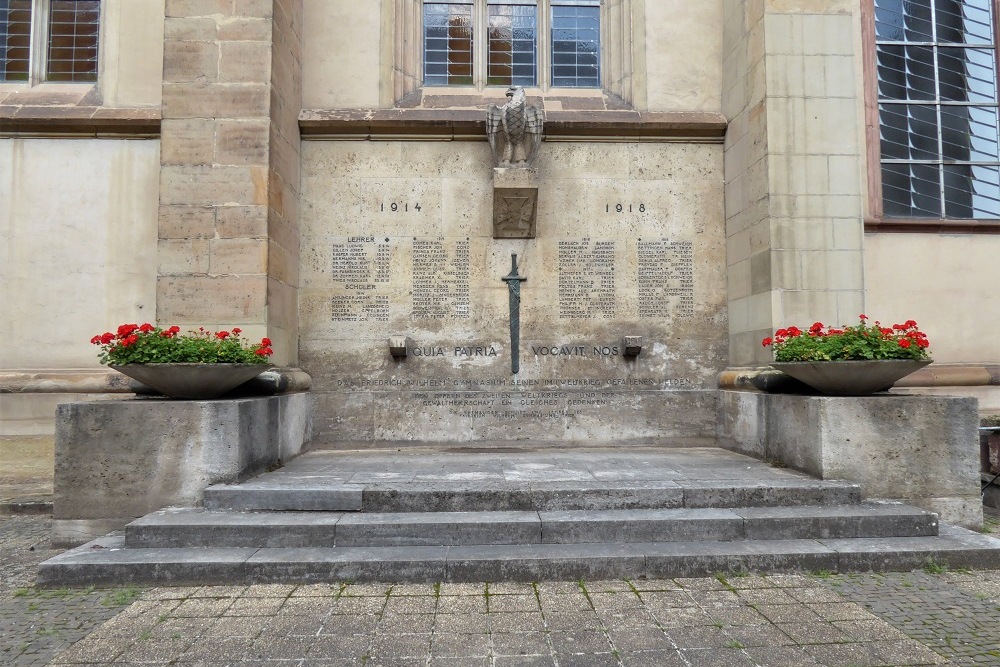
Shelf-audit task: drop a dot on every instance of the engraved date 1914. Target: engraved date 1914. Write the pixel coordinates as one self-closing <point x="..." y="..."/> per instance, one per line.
<point x="399" y="207"/>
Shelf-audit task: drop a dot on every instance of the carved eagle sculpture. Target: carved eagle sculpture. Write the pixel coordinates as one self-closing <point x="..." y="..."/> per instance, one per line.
<point x="514" y="130"/>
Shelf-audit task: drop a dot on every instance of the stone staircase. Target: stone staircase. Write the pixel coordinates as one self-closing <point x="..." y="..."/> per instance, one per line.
<point x="534" y="515"/>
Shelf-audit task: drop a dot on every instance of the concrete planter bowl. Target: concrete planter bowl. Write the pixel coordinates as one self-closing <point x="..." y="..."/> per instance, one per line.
<point x="850" y="378"/>
<point x="192" y="381"/>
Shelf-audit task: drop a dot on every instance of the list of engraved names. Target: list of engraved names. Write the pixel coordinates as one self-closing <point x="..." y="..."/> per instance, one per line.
<point x="361" y="271"/>
<point x="666" y="278"/>
<point x="587" y="279"/>
<point x="440" y="279"/>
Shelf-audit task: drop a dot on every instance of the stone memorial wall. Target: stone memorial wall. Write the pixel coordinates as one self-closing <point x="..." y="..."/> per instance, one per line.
<point x="397" y="241"/>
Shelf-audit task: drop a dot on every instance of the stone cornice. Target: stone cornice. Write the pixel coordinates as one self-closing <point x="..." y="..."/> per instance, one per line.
<point x="37" y="120"/>
<point x="470" y="125"/>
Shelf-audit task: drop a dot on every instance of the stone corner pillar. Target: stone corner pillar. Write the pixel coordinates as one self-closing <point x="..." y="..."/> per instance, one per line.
<point x="228" y="249"/>
<point x="794" y="164"/>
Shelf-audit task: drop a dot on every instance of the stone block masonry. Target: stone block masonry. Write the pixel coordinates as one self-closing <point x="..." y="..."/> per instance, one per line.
<point x="921" y="450"/>
<point x="118" y="460"/>
<point x="230" y="167"/>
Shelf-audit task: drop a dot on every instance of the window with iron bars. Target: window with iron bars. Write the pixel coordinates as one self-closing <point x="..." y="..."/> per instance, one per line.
<point x="939" y="127"/>
<point x="49" y="40"/>
<point x="543" y="43"/>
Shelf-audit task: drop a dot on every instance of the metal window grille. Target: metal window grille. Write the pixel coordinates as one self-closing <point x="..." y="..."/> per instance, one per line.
<point x="15" y="40"/>
<point x="513" y="45"/>
<point x="448" y="34"/>
<point x="938" y="111"/>
<point x="73" y="36"/>
<point x="576" y="44"/>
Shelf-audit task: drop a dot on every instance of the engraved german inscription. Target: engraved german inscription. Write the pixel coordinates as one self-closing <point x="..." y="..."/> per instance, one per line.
<point x="587" y="279"/>
<point x="666" y="278"/>
<point x="440" y="279"/>
<point x="360" y="270"/>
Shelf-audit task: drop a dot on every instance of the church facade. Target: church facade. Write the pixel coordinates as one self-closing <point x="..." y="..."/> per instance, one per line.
<point x="318" y="172"/>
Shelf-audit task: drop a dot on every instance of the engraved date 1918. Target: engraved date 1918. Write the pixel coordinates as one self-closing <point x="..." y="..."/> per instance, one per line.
<point x="625" y="208"/>
<point x="399" y="207"/>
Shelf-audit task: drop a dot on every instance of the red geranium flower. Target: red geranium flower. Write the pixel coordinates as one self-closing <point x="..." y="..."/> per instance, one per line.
<point x="222" y="335"/>
<point x="146" y="327"/>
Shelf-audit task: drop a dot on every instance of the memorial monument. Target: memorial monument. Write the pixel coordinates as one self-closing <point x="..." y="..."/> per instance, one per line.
<point x="411" y="336"/>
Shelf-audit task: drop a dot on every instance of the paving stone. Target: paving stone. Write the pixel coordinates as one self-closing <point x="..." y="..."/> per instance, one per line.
<point x="460" y="645"/>
<point x="698" y="637"/>
<point x="570" y="620"/>
<point x="716" y="658"/>
<point x="519" y="643"/>
<point x="524" y="661"/>
<point x="667" y="658"/>
<point x="469" y="623"/>
<point x="579" y="641"/>
<point x="518" y="622"/>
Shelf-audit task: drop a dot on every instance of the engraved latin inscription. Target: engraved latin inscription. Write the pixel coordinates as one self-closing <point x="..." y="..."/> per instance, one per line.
<point x="440" y="279"/>
<point x="360" y="273"/>
<point x="586" y="279"/>
<point x="666" y="278"/>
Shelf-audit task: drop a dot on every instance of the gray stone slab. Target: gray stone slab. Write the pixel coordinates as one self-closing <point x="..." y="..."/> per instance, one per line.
<point x="770" y="493"/>
<point x="94" y="564"/>
<point x="640" y="525"/>
<point x="816" y="522"/>
<point x="955" y="547"/>
<point x="438" y="528"/>
<point x="606" y="495"/>
<point x="189" y="527"/>
<point x="696" y="559"/>
<point x="126" y="458"/>
<point x="399" y="564"/>
<point x="544" y="561"/>
<point x="447" y="497"/>
<point x="293" y="497"/>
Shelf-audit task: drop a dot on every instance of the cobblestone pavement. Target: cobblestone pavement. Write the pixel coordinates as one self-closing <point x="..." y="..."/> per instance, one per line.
<point x="35" y="625"/>
<point x="919" y="618"/>
<point x="957" y="615"/>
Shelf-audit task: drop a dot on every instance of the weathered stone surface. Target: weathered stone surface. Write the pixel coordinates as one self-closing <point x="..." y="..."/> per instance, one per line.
<point x="918" y="449"/>
<point x="118" y="459"/>
<point x="398" y="240"/>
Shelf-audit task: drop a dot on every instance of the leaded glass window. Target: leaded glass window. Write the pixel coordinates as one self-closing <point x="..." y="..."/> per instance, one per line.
<point x="543" y="43"/>
<point x="513" y="44"/>
<point x="69" y="49"/>
<point x="72" y="52"/>
<point x="15" y="40"/>
<point x="576" y="44"/>
<point x="938" y="112"/>
<point x="448" y="32"/>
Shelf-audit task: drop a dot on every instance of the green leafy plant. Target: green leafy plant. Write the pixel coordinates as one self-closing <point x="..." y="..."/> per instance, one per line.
<point x="146" y="344"/>
<point x="849" y="343"/>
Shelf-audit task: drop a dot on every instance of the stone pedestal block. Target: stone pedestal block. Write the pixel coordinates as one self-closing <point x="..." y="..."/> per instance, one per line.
<point x="921" y="450"/>
<point x="119" y="460"/>
<point x="515" y="202"/>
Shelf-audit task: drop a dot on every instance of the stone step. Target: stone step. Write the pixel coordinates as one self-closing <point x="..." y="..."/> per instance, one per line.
<point x="105" y="562"/>
<point x="297" y="494"/>
<point x="181" y="527"/>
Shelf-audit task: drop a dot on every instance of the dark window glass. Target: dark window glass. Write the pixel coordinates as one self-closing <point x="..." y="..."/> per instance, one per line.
<point x="938" y="112"/>
<point x="447" y="44"/>
<point x="73" y="33"/>
<point x="15" y="39"/>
